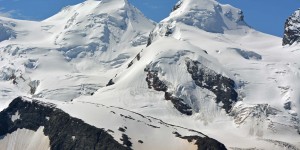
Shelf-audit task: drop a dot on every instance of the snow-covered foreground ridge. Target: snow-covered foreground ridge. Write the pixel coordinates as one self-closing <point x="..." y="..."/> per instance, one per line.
<point x="111" y="128"/>
<point x="149" y="86"/>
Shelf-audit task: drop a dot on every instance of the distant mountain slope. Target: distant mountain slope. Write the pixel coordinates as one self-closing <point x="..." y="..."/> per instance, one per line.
<point x="102" y="27"/>
<point x="73" y="52"/>
<point x="208" y="15"/>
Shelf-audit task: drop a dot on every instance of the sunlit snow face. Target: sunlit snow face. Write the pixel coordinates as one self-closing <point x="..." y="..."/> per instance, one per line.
<point x="207" y="15"/>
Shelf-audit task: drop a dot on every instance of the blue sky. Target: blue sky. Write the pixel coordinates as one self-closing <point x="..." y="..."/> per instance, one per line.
<point x="264" y="15"/>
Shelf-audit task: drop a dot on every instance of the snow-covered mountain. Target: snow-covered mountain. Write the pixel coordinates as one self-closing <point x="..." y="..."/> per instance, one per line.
<point x="79" y="48"/>
<point x="102" y="28"/>
<point x="199" y="79"/>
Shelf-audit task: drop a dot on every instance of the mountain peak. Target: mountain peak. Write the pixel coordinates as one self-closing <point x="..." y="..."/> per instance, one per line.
<point x="99" y="26"/>
<point x="89" y="6"/>
<point x="87" y="80"/>
<point x="208" y="15"/>
<point x="292" y="29"/>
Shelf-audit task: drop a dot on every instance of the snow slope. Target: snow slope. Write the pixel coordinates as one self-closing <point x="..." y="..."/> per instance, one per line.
<point x="72" y="53"/>
<point x="201" y="68"/>
<point x="112" y="128"/>
<point x="25" y="139"/>
<point x="267" y="105"/>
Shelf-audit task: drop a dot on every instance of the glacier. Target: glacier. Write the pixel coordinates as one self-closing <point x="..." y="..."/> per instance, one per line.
<point x="201" y="78"/>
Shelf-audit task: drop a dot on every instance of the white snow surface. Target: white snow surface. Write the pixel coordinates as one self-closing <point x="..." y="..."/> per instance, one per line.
<point x="73" y="55"/>
<point x="208" y="15"/>
<point x="74" y="52"/>
<point x="24" y="139"/>
<point x="15" y="116"/>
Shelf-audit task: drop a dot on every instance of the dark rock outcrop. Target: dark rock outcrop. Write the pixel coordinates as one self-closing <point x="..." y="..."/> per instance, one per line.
<point x="136" y="58"/>
<point x="179" y="104"/>
<point x="110" y="82"/>
<point x="203" y="143"/>
<point x="150" y="39"/>
<point x="288" y="105"/>
<point x="292" y="29"/>
<point x="222" y="87"/>
<point x="126" y="140"/>
<point x="155" y="83"/>
<point x="64" y="131"/>
<point x="177" y="5"/>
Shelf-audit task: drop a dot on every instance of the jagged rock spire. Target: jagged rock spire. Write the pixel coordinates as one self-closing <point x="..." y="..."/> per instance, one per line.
<point x="292" y="29"/>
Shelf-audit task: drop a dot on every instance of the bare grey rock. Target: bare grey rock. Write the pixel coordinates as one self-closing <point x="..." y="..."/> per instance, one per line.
<point x="292" y="29"/>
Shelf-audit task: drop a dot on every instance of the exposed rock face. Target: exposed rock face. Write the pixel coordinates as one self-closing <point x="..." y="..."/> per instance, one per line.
<point x="179" y="104"/>
<point x="110" y="82"/>
<point x="288" y="105"/>
<point x="155" y="83"/>
<point x="136" y="58"/>
<point x="292" y="29"/>
<point x="177" y="5"/>
<point x="64" y="131"/>
<point x="221" y="86"/>
<point x="204" y="143"/>
<point x="150" y="39"/>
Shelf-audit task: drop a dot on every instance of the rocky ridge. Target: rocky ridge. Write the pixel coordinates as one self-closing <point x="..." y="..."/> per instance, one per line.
<point x="292" y="29"/>
<point x="64" y="131"/>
